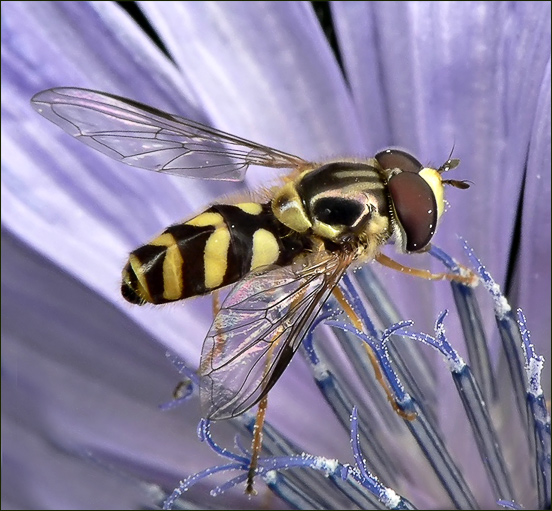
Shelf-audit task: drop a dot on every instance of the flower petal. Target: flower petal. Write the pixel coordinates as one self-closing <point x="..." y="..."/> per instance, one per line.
<point x="430" y="76"/>
<point x="78" y="208"/>
<point x="534" y="260"/>
<point x="81" y="383"/>
<point x="263" y="71"/>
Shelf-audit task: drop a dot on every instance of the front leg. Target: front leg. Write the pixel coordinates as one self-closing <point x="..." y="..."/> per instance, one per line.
<point x="467" y="277"/>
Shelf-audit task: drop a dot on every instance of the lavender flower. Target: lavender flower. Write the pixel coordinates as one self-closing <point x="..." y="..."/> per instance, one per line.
<point x="83" y="372"/>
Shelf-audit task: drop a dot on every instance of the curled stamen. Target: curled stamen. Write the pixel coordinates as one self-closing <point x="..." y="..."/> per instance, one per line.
<point x="539" y="417"/>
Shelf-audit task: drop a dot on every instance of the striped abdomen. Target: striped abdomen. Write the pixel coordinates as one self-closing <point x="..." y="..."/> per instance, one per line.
<point x="209" y="251"/>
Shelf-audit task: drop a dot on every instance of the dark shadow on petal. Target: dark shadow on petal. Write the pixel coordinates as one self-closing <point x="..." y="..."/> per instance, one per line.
<point x="324" y="15"/>
<point x="138" y="16"/>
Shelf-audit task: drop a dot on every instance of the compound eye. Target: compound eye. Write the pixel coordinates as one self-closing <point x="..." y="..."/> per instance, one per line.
<point x="415" y="208"/>
<point x="397" y="159"/>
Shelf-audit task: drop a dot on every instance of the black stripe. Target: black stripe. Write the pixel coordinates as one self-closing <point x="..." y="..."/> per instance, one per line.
<point x="292" y="243"/>
<point x="242" y="226"/>
<point x="328" y="177"/>
<point x="191" y="241"/>
<point x="151" y="259"/>
<point x="129" y="285"/>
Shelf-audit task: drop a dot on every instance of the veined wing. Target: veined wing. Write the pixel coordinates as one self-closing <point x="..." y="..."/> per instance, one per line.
<point x="259" y="328"/>
<point x="142" y="136"/>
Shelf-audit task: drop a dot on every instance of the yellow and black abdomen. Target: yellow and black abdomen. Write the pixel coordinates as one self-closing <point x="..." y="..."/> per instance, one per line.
<point x="209" y="251"/>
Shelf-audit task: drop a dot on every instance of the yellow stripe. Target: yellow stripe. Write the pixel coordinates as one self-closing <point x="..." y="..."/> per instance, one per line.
<point x="342" y="174"/>
<point x="172" y="266"/>
<point x="216" y="257"/>
<point x="172" y="273"/>
<point x="265" y="248"/>
<point x="206" y="219"/>
<point x="164" y="240"/>
<point x="250" y="207"/>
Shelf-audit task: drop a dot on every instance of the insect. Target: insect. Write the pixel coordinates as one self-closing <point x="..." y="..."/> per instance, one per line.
<point x="284" y="254"/>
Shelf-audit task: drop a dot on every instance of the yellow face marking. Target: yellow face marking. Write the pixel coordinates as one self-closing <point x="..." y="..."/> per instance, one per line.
<point x="250" y="207"/>
<point x="142" y="291"/>
<point x="265" y="248"/>
<point x="172" y="273"/>
<point x="206" y="219"/>
<point x="435" y="182"/>
<point x="216" y="257"/>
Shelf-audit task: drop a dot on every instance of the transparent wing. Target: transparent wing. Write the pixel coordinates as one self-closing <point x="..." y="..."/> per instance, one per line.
<point x="259" y="328"/>
<point x="142" y="136"/>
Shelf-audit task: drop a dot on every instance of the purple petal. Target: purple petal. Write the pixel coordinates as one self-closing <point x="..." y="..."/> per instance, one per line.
<point x="430" y="76"/>
<point x="82" y="210"/>
<point x="534" y="260"/>
<point x="423" y="75"/>
<point x="81" y="384"/>
<point x="263" y="71"/>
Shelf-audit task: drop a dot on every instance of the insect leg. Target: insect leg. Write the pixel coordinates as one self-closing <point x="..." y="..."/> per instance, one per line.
<point x="256" y="444"/>
<point x="219" y="340"/>
<point x="182" y="384"/>
<point x="357" y="323"/>
<point x="468" y="279"/>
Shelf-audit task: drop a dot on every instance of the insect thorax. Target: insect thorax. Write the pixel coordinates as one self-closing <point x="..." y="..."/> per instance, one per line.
<point x="339" y="202"/>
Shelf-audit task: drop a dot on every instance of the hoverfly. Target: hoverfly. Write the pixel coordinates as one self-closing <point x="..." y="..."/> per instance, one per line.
<point x="284" y="255"/>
